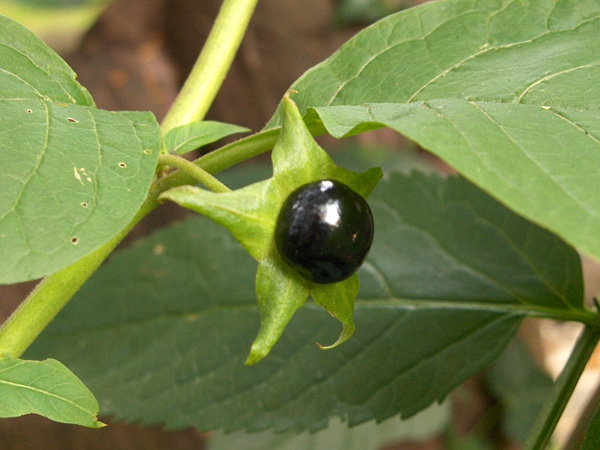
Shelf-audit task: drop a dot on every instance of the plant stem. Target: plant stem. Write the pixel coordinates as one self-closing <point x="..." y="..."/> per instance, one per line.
<point x="214" y="61"/>
<point x="199" y="174"/>
<point x="239" y="151"/>
<point x="562" y="390"/>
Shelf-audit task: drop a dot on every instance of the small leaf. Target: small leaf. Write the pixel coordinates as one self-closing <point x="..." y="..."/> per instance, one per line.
<point x="46" y="388"/>
<point x="71" y="176"/>
<point x="248" y="212"/>
<point x="192" y="136"/>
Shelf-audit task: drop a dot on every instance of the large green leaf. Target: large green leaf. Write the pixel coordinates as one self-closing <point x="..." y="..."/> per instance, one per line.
<point x="47" y="388"/>
<point x="505" y="91"/>
<point x="160" y="334"/>
<point x="71" y="175"/>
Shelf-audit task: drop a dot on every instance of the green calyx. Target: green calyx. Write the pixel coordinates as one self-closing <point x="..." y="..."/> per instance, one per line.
<point x="251" y="215"/>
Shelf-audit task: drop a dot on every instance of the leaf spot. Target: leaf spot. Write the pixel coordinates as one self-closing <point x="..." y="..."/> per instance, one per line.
<point x="77" y="176"/>
<point x="147" y="152"/>
<point x="84" y="204"/>
<point x="29" y="110"/>
<point x="74" y="240"/>
<point x="70" y="119"/>
<point x="122" y="165"/>
<point x="158" y="249"/>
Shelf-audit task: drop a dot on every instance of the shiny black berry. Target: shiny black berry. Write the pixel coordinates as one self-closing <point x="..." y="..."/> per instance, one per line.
<point x="324" y="231"/>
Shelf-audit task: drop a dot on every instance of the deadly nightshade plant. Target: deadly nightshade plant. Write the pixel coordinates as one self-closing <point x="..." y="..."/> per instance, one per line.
<point x="251" y="213"/>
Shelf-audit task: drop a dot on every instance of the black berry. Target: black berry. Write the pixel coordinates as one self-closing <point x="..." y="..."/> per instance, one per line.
<point x="324" y="231"/>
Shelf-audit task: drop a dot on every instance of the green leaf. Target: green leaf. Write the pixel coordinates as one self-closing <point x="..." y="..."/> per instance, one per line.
<point x="192" y="136"/>
<point x="504" y="91"/>
<point x="160" y="334"/>
<point x="250" y="213"/>
<point x="502" y="147"/>
<point x="72" y="176"/>
<point x="337" y="436"/>
<point x="46" y="388"/>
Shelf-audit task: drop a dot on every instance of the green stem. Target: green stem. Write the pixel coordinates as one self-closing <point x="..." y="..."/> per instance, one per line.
<point x="55" y="291"/>
<point x="239" y="151"/>
<point x="193" y="170"/>
<point x="562" y="390"/>
<point x="208" y="73"/>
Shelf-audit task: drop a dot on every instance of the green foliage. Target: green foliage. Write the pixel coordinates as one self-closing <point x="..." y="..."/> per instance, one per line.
<point x="192" y="136"/>
<point x="72" y="176"/>
<point x="427" y="317"/>
<point x="47" y="388"/>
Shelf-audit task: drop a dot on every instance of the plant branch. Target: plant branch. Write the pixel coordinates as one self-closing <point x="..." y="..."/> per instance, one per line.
<point x="562" y="390"/>
<point x="212" y="65"/>
<point x="195" y="171"/>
